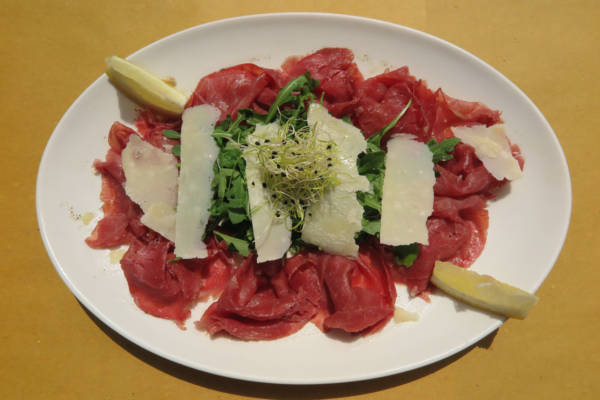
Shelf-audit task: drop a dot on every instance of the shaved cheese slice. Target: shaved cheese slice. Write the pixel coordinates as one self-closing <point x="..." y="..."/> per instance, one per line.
<point x="407" y="199"/>
<point x="403" y="315"/>
<point x="350" y="143"/>
<point x="160" y="217"/>
<point x="151" y="182"/>
<point x="492" y="148"/>
<point x="272" y="237"/>
<point x="333" y="221"/>
<point x="198" y="154"/>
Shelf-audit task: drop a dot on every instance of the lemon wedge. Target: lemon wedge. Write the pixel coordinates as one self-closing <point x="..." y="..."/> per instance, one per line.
<point x="144" y="87"/>
<point x="482" y="291"/>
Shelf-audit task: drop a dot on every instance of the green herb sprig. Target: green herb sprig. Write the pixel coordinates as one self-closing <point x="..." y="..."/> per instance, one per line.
<point x="442" y="151"/>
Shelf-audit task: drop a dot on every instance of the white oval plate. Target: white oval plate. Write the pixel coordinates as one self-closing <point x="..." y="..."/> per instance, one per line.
<point x="527" y="226"/>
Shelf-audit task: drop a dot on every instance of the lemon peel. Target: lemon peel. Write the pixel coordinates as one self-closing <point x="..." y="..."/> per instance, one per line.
<point x="482" y="291"/>
<point x="144" y="87"/>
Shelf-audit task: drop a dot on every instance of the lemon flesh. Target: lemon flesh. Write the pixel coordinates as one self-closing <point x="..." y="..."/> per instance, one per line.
<point x="482" y="291"/>
<point x="144" y="87"/>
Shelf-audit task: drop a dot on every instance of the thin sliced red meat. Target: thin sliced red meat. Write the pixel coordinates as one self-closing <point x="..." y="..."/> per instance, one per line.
<point x="150" y="125"/>
<point x="111" y="231"/>
<point x="455" y="112"/>
<point x="260" y="302"/>
<point x="169" y="289"/>
<point x="382" y="98"/>
<point x="267" y="301"/>
<point x="362" y="292"/>
<point x="159" y="288"/>
<point x="121" y="217"/>
<point x="118" y="136"/>
<point x="111" y="166"/>
<point x="240" y="86"/>
<point x="338" y="76"/>
<point x="464" y="175"/>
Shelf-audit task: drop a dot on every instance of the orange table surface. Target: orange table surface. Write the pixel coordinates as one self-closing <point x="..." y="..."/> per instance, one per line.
<point x="51" y="348"/>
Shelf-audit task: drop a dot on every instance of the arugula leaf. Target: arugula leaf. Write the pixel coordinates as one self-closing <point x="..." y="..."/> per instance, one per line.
<point x="371" y="227"/>
<point x="171" y="134"/>
<point x="242" y="246"/>
<point x="372" y="162"/>
<point x="371" y="200"/>
<point x="406" y="255"/>
<point x="236" y="131"/>
<point x="442" y="151"/>
<point x="297" y="91"/>
<point x="176" y="150"/>
<point x="236" y="216"/>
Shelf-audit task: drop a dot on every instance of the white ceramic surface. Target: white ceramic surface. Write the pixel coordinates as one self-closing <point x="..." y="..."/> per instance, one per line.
<point x="527" y="226"/>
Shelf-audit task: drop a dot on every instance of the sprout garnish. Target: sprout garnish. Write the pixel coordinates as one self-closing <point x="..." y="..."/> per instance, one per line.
<point x="297" y="169"/>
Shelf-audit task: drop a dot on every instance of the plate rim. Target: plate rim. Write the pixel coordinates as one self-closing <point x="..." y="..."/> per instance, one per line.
<point x="81" y="297"/>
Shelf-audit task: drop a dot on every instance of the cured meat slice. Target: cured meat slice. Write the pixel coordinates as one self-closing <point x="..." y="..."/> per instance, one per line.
<point x="362" y="292"/>
<point x="338" y="76"/>
<point x="118" y="137"/>
<point x="263" y="302"/>
<point x="454" y="112"/>
<point x="151" y="125"/>
<point x="382" y="98"/>
<point x="121" y="218"/>
<point x="268" y="301"/>
<point x="240" y="86"/>
<point x="159" y="288"/>
<point x="464" y="175"/>
<point x="169" y="289"/>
